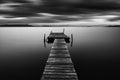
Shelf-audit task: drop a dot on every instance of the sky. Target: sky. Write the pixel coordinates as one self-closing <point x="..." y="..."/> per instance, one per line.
<point x="87" y="2"/>
<point x="58" y="6"/>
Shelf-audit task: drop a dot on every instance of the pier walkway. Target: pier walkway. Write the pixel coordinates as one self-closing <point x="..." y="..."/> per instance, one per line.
<point x="59" y="65"/>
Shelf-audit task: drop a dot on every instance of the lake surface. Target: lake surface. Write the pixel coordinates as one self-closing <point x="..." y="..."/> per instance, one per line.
<point x="95" y="52"/>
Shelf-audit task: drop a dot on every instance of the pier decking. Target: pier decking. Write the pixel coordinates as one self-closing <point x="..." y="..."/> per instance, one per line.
<point x="59" y="65"/>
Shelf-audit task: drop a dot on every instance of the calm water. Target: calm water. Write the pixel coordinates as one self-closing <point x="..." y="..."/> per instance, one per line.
<point x="95" y="52"/>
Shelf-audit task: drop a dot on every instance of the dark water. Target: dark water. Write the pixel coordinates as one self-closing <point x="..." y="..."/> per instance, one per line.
<point x="95" y="53"/>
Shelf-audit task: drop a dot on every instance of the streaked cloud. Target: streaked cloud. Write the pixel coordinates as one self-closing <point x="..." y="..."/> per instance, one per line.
<point x="58" y="6"/>
<point x="36" y="2"/>
<point x="8" y="6"/>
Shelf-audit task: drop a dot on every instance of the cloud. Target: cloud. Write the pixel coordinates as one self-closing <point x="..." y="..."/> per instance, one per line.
<point x="72" y="1"/>
<point x="36" y="2"/>
<point x="61" y="6"/>
<point x="8" y="6"/>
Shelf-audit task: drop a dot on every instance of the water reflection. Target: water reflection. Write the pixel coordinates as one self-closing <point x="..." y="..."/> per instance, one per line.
<point x="95" y="52"/>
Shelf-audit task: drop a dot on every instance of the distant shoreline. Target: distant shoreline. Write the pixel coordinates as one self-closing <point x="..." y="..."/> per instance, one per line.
<point x="115" y="24"/>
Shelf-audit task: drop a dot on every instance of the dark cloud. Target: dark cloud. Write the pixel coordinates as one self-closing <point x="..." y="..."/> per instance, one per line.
<point x="71" y="6"/>
<point x="65" y="6"/>
<point x="35" y="2"/>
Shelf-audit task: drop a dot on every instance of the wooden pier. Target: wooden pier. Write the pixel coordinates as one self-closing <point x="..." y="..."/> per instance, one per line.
<point x="59" y="65"/>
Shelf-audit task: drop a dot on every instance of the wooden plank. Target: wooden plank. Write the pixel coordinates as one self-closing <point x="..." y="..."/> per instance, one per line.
<point x="59" y="65"/>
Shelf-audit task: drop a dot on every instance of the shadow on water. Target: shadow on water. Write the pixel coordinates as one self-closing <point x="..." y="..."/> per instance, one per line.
<point x="95" y="52"/>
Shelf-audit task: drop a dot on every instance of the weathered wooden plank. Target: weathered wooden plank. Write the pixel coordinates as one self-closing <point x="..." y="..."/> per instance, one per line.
<point x="59" y="65"/>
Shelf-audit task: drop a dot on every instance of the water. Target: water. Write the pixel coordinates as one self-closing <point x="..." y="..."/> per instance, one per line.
<point x="95" y="52"/>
